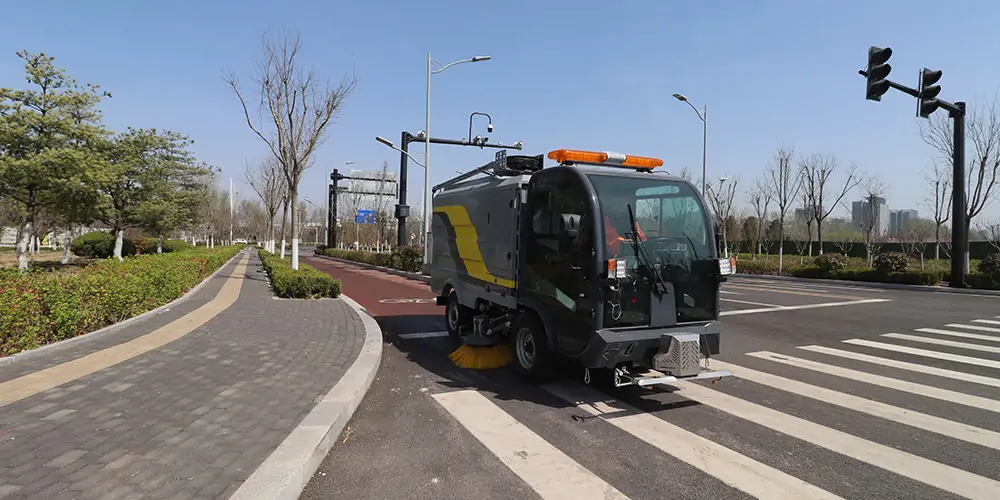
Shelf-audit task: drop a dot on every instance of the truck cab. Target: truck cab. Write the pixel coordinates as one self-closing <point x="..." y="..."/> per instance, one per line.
<point x="617" y="268"/>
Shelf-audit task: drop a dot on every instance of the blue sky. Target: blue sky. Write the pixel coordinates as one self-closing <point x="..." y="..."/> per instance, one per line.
<point x="581" y="74"/>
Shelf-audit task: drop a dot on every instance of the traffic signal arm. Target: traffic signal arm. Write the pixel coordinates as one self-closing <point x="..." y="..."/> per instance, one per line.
<point x="892" y="84"/>
<point x="951" y="107"/>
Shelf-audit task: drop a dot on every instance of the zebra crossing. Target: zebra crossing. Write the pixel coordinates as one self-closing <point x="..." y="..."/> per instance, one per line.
<point x="860" y="419"/>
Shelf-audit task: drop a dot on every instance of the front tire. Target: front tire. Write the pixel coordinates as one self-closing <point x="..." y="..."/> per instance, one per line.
<point x="532" y="356"/>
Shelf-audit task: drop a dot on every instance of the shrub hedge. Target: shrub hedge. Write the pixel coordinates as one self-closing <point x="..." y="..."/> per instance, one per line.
<point x="40" y="307"/>
<point x="148" y="245"/>
<point x="100" y="245"/>
<point x="305" y="283"/>
<point x="406" y="258"/>
<point x="890" y="267"/>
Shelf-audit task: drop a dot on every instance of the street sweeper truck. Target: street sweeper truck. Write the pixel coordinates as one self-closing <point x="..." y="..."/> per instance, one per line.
<point x="599" y="259"/>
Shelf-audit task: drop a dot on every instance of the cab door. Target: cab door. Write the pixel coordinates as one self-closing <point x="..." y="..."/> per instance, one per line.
<point x="558" y="268"/>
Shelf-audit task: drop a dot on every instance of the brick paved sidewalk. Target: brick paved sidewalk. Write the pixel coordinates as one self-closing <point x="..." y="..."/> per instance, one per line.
<point x="189" y="419"/>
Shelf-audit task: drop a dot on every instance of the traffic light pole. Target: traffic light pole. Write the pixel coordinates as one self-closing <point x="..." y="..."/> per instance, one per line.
<point x="402" y="210"/>
<point x="960" y="224"/>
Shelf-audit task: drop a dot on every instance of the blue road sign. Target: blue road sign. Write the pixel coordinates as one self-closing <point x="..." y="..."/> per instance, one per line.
<point x="365" y="217"/>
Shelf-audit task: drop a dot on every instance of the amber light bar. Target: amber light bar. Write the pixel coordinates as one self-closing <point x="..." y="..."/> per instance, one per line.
<point x="604" y="158"/>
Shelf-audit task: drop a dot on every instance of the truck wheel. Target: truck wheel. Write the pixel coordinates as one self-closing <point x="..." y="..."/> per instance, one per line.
<point x="456" y="315"/>
<point x="532" y="356"/>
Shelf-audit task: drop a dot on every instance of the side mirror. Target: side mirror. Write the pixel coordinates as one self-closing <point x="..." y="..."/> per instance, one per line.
<point x="569" y="225"/>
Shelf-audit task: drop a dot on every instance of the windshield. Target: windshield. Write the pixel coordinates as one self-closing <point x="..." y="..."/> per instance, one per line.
<point x="675" y="241"/>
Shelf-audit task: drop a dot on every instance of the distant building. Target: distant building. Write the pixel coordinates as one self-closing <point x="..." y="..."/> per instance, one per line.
<point x="805" y="213"/>
<point x="878" y="216"/>
<point x="898" y="220"/>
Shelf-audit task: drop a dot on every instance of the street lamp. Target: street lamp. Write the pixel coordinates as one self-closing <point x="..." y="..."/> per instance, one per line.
<point x="427" y="141"/>
<point x="703" y="115"/>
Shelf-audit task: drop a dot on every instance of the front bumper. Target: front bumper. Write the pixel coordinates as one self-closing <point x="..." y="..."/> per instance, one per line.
<point x="610" y="348"/>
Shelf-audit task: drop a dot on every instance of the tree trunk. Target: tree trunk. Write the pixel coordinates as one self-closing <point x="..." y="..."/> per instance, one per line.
<point x="294" y="195"/>
<point x="68" y="243"/>
<point x="809" y="237"/>
<point x="819" y="236"/>
<point x="937" y="242"/>
<point x="284" y="221"/>
<point x="965" y="251"/>
<point x="119" y="242"/>
<point x="22" y="245"/>
<point x="781" y="243"/>
<point x="159" y="243"/>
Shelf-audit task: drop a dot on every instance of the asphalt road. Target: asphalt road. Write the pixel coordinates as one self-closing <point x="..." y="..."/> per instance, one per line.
<point x="840" y="392"/>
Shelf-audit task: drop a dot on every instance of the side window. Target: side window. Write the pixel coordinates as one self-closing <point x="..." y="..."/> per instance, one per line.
<point x="681" y="215"/>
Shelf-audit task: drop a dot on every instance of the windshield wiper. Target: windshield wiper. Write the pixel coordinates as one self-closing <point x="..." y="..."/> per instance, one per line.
<point x="642" y="254"/>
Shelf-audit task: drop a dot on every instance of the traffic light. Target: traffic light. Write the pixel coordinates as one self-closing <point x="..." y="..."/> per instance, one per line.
<point x="927" y="102"/>
<point x="878" y="70"/>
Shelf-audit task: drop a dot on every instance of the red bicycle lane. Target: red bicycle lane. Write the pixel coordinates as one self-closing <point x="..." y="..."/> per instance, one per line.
<point x="400" y="305"/>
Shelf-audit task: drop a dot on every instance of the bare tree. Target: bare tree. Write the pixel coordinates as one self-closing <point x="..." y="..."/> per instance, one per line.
<point x="785" y="183"/>
<point x="915" y="235"/>
<point x="983" y="168"/>
<point x="845" y="243"/>
<point x="991" y="232"/>
<point x="300" y="112"/>
<point x="808" y="217"/>
<point x="721" y="198"/>
<point x="799" y="232"/>
<point x="823" y="198"/>
<point x="268" y="181"/>
<point x="939" y="201"/>
<point x="760" y="199"/>
<point x="872" y="188"/>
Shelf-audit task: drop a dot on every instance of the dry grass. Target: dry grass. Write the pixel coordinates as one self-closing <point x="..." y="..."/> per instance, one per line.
<point x="47" y="259"/>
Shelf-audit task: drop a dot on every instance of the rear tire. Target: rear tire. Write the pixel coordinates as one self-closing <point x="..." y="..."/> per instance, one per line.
<point x="532" y="356"/>
<point x="456" y="316"/>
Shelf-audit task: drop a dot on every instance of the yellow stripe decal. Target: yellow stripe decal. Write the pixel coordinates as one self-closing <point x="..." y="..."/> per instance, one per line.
<point x="467" y="241"/>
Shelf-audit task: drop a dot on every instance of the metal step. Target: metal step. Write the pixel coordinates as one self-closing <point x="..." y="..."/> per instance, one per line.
<point x="653" y="377"/>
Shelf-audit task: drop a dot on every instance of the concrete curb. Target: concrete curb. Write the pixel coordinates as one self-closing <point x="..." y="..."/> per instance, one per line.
<point x="287" y="471"/>
<point x="98" y="334"/>
<point x="396" y="272"/>
<point x="868" y="284"/>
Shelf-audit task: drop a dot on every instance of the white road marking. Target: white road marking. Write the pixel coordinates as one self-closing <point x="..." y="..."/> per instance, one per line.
<point x="948" y="343"/>
<point x="422" y="335"/>
<point x="810" y="286"/>
<point x="974" y="327"/>
<point x="550" y="472"/>
<point x="750" y="303"/>
<point x="726" y="465"/>
<point x="803" y="306"/>
<point x="987" y="321"/>
<point x="888" y="382"/>
<point x="731" y="293"/>
<point x="903" y="365"/>
<point x="944" y="356"/>
<point x="920" y="469"/>
<point x="930" y="423"/>
<point x="951" y="333"/>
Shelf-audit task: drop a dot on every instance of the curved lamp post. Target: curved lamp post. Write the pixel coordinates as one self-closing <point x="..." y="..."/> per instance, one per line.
<point x="427" y="141"/>
<point x="703" y="115"/>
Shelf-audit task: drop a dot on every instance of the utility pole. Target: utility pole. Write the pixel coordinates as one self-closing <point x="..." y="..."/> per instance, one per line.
<point x="877" y="84"/>
<point x="231" y="211"/>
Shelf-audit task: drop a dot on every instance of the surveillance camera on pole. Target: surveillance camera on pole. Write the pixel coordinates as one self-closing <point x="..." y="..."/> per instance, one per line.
<point x="927" y="102"/>
<point x="878" y="71"/>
